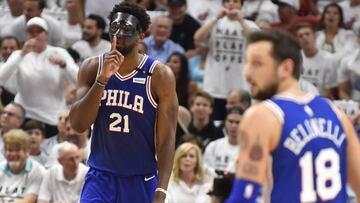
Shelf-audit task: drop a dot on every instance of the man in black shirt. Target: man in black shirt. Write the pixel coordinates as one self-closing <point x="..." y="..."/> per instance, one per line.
<point x="184" y="26"/>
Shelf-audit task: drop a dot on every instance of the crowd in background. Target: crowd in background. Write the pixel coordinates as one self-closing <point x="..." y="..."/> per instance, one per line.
<point x="44" y="42"/>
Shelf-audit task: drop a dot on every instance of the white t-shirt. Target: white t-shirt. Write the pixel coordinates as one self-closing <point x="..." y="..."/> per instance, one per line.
<point x="220" y="155"/>
<point x="320" y="70"/>
<point x="308" y="87"/>
<point x="266" y="10"/>
<point x="349" y="71"/>
<point x="182" y="193"/>
<point x="85" y="51"/>
<point x="55" y="187"/>
<point x="350" y="12"/>
<point x="204" y="10"/>
<point x="225" y="59"/>
<point x="41" y="159"/>
<point x="40" y="82"/>
<point x="5" y="21"/>
<point x="10" y="83"/>
<point x="343" y="43"/>
<point x="72" y="33"/>
<point x="14" y="186"/>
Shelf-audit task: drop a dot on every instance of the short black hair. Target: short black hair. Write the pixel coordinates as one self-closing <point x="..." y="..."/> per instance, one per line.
<point x="34" y="124"/>
<point x="284" y="46"/>
<point x="235" y="110"/>
<point x="100" y="22"/>
<point x="22" y="109"/>
<point x="135" y="10"/>
<point x="341" y="15"/>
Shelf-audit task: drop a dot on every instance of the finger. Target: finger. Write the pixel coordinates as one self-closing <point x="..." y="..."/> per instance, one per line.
<point x="113" y="43"/>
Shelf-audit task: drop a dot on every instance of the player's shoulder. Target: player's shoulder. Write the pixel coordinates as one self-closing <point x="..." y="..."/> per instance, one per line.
<point x="261" y="111"/>
<point x="163" y="73"/>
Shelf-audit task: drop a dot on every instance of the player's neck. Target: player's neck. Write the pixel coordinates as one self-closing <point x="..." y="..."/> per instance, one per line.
<point x="131" y="62"/>
<point x="201" y="123"/>
<point x="290" y="87"/>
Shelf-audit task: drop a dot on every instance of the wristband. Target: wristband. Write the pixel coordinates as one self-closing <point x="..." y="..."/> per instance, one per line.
<point x="159" y="189"/>
<point x="100" y="83"/>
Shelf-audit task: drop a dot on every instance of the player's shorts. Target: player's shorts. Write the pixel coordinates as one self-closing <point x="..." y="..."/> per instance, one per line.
<point x="104" y="187"/>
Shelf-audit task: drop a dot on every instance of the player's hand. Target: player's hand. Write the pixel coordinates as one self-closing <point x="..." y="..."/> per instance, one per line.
<point x="28" y="46"/>
<point x="112" y="62"/>
<point x="159" y="197"/>
<point x="56" y="59"/>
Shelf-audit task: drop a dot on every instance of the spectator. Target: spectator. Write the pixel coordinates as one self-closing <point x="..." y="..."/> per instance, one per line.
<point x="49" y="143"/>
<point x="72" y="25"/>
<point x="184" y="119"/>
<point x="188" y="183"/>
<point x="184" y="26"/>
<point x="197" y="64"/>
<point x="12" y="117"/>
<point x="20" y="177"/>
<point x="204" y="10"/>
<point x="185" y="88"/>
<point x="225" y="39"/>
<point x="349" y="74"/>
<point x="201" y="124"/>
<point x="36" y="131"/>
<point x="351" y="10"/>
<point x="34" y="8"/>
<point x="16" y="9"/>
<point x="79" y="139"/>
<point x="238" y="98"/>
<point x="64" y="181"/>
<point x="8" y="86"/>
<point x="158" y="43"/>
<point x="288" y="14"/>
<point x="92" y="43"/>
<point x="259" y="10"/>
<point x="332" y="37"/>
<point x="40" y="71"/>
<point x="221" y="154"/>
<point x="318" y="65"/>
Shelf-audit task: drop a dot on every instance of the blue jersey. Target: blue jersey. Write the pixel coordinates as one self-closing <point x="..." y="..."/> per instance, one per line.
<point x="309" y="163"/>
<point x="122" y="140"/>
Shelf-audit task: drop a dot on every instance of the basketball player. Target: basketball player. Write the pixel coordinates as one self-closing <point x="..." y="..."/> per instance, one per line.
<point x="313" y="145"/>
<point x="130" y="98"/>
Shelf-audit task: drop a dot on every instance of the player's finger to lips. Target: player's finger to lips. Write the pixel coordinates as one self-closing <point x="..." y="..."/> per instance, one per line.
<point x="113" y="43"/>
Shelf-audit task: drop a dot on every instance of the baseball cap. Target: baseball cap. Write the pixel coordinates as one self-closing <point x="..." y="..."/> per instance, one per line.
<point x="37" y="21"/>
<point x="176" y="2"/>
<point x="293" y="3"/>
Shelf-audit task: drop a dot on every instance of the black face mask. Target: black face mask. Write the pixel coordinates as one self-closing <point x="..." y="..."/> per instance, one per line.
<point x="124" y="25"/>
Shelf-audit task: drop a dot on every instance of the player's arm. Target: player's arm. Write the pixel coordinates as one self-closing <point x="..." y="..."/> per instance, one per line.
<point x="255" y="143"/>
<point x="90" y="88"/>
<point x="353" y="151"/>
<point x="88" y="96"/>
<point x="163" y="86"/>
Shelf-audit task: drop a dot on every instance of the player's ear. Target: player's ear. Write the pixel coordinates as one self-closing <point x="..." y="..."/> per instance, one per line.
<point x="287" y="67"/>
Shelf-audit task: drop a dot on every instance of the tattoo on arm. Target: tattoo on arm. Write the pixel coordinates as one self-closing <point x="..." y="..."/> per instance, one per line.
<point x="256" y="151"/>
<point x="250" y="169"/>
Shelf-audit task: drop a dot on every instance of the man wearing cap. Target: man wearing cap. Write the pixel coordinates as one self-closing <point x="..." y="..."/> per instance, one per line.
<point x="184" y="26"/>
<point x="40" y="71"/>
<point x="130" y="100"/>
<point x="34" y="8"/>
<point x="288" y="15"/>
